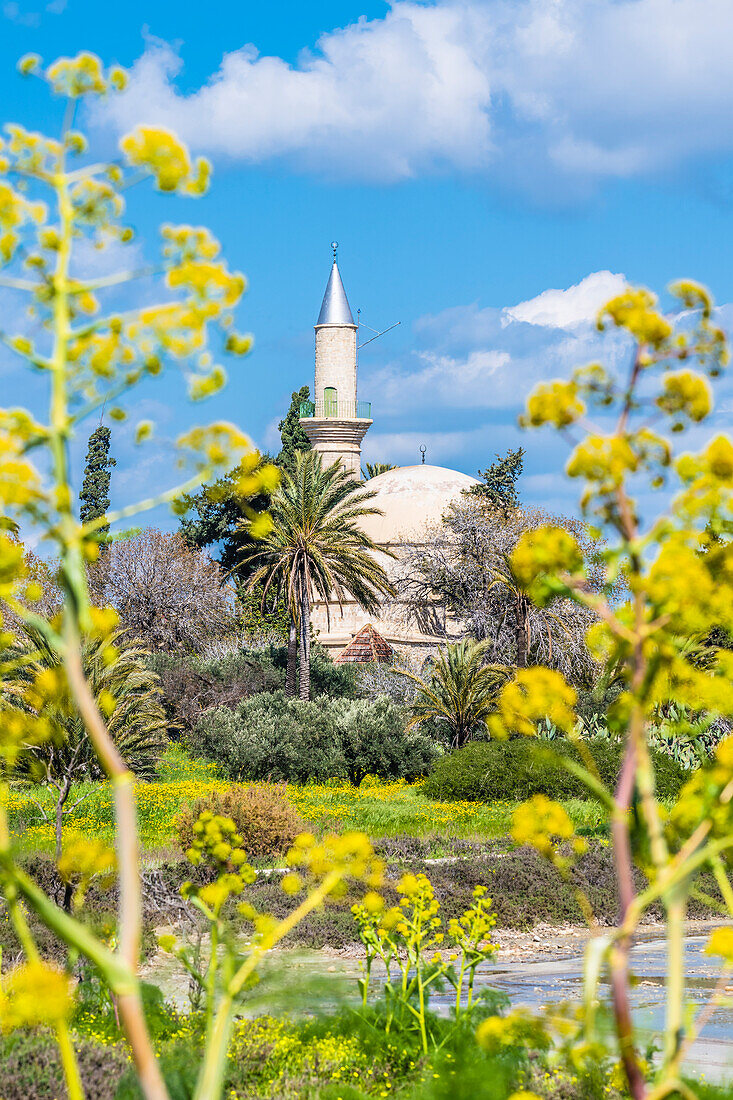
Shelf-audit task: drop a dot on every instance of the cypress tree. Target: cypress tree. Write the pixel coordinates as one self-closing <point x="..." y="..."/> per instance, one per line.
<point x="94" y="495"/>
<point x="291" y="431"/>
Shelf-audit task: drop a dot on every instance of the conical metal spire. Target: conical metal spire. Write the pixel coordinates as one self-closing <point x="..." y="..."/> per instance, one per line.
<point x="335" y="308"/>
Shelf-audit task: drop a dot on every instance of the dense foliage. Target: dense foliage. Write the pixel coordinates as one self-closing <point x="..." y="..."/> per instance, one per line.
<point x="498" y="485"/>
<point x="458" y="693"/>
<point x="192" y="685"/>
<point x="282" y="739"/>
<point x="128" y="691"/>
<point x="292" y="433"/>
<point x="518" y="769"/>
<point x="217" y="516"/>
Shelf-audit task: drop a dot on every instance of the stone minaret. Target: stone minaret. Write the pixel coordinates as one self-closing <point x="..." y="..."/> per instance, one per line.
<point x="336" y="421"/>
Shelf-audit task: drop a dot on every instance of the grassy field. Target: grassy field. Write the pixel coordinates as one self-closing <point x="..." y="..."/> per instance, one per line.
<point x="378" y="808"/>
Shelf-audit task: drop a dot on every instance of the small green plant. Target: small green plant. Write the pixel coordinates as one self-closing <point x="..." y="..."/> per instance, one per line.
<point x="410" y="940"/>
<point x="319" y="870"/>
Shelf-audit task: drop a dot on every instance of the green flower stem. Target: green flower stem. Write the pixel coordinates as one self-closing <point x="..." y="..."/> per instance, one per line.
<point x="76" y="617"/>
<point x="674" y="1029"/>
<point x="723" y="883"/>
<point x="74" y="1085"/>
<point x="211" y="1076"/>
<point x="69" y="1062"/>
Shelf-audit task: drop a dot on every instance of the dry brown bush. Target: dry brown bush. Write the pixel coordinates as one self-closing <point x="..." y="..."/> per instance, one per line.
<point x="265" y="818"/>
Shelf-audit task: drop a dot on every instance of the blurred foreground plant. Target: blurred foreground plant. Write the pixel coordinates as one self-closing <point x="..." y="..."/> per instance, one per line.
<point x="58" y="211"/>
<point x="678" y="572"/>
<point x="321" y="869"/>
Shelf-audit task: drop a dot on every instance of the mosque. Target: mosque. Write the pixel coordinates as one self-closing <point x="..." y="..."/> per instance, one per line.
<point x="412" y="499"/>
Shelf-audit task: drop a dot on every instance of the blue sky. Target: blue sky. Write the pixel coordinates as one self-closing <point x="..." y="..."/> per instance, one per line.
<point x="493" y="171"/>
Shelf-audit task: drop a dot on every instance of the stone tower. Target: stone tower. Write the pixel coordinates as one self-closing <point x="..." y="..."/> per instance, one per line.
<point x="336" y="421"/>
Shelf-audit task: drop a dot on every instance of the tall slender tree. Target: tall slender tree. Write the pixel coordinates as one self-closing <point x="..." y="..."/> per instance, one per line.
<point x="292" y="434"/>
<point x="317" y="548"/>
<point x="94" y="495"/>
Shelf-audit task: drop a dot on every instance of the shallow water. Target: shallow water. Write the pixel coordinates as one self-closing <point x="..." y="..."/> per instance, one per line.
<point x="299" y="981"/>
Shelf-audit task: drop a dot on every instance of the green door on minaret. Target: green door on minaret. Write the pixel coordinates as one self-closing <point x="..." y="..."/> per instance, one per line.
<point x="330" y="401"/>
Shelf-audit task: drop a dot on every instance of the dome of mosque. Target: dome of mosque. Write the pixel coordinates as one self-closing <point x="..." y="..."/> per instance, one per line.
<point x="411" y="498"/>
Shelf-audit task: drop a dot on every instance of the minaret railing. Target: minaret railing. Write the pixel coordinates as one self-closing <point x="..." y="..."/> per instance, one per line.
<point x="336" y="408"/>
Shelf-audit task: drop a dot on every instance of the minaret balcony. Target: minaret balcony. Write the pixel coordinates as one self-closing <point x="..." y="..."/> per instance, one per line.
<point x="339" y="410"/>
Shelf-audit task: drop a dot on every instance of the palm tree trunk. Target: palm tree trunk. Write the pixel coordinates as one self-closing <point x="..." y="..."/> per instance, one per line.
<point x="291" y="675"/>
<point x="305" y="645"/>
<point x="521" y="632"/>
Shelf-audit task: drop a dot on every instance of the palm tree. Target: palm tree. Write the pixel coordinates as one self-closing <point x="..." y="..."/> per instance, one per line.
<point x="374" y="469"/>
<point x="316" y="548"/>
<point x="460" y="691"/>
<point x="504" y="578"/>
<point x="137" y="724"/>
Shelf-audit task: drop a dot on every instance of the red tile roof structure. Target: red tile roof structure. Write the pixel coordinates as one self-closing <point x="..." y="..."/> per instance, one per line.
<point x="365" y="648"/>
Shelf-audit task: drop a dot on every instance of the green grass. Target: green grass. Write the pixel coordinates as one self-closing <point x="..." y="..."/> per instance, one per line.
<point x="381" y="809"/>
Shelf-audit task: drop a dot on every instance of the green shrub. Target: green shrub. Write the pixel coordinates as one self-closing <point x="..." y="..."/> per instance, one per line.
<point x="271" y="737"/>
<point x="265" y="818"/>
<point x="489" y="771"/>
<point x="281" y="739"/>
<point x="374" y="740"/>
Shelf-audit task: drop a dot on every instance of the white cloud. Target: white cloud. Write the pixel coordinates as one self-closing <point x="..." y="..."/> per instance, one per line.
<point x="525" y="89"/>
<point x="473" y="358"/>
<point x="271" y="441"/>
<point x="567" y="308"/>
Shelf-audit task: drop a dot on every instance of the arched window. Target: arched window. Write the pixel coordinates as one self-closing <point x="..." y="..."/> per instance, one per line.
<point x="330" y="401"/>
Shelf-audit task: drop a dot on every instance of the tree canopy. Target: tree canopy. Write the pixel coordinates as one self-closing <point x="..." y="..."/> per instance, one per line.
<point x="499" y="488"/>
<point x="217" y="518"/>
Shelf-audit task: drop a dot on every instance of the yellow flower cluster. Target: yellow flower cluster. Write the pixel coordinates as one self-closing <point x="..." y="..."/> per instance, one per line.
<point x="15" y="212"/>
<point x="35" y="994"/>
<point x="350" y="855"/>
<point x="555" y="403"/>
<point x="539" y="556"/>
<point x="516" y="1029"/>
<point x="85" y="858"/>
<point x="700" y="798"/>
<point x="533" y="694"/>
<point x="720" y="943"/>
<point x="685" y="395"/>
<point x="217" y="842"/>
<point x="634" y="311"/>
<point x="78" y="76"/>
<point x="160" y="152"/>
<point x="542" y="823"/>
